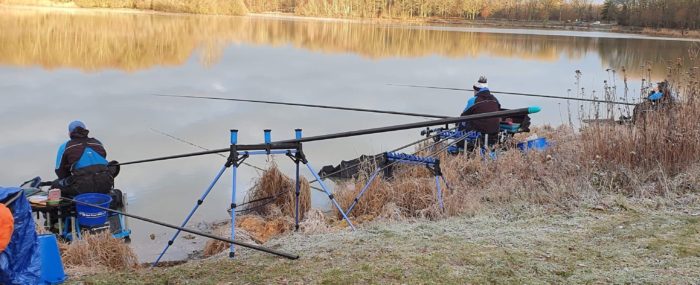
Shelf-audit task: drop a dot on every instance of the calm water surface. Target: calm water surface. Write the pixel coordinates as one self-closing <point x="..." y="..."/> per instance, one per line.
<point x="102" y="68"/>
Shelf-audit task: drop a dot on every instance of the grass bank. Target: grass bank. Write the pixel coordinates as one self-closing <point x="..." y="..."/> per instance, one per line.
<point x="614" y="241"/>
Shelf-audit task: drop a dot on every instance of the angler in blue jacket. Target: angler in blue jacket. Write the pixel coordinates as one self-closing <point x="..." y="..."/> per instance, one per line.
<point x="81" y="164"/>
<point x="657" y="93"/>
<point x="482" y="102"/>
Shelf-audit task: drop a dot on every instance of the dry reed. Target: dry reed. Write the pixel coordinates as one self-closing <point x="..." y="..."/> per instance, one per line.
<point x="99" y="250"/>
<point x="281" y="189"/>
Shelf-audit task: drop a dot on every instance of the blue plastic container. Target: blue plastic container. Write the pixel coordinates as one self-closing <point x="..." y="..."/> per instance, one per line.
<point x="51" y="264"/>
<point x="538" y="144"/>
<point x="90" y="216"/>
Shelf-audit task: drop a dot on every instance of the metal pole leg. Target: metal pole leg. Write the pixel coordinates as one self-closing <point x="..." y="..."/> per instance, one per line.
<point x="232" y="253"/>
<point x="187" y="219"/>
<point x="296" y="198"/>
<point x="439" y="193"/>
<point x="362" y="192"/>
<point x="325" y="189"/>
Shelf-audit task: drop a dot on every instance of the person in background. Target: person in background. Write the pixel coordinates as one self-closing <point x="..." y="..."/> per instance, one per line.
<point x="656" y="94"/>
<point x="482" y="102"/>
<point x="81" y="164"/>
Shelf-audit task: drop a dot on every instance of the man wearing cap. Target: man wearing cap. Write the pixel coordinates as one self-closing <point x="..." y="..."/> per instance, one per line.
<point x="482" y="102"/>
<point x="81" y="164"/>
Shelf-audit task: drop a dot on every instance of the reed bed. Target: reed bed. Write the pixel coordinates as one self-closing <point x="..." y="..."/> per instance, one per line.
<point x="99" y="250"/>
<point x="281" y="189"/>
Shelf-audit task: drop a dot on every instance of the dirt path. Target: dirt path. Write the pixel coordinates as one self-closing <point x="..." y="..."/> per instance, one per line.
<point x="620" y="245"/>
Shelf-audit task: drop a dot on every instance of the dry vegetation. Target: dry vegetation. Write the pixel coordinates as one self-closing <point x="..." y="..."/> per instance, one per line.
<point x="654" y="157"/>
<point x="275" y="195"/>
<point x="269" y="212"/>
<point x="100" y="251"/>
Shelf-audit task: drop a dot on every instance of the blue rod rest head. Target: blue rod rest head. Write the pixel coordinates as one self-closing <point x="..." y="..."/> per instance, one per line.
<point x="234" y="136"/>
<point x="534" y="109"/>
<point x="268" y="136"/>
<point x="297" y="134"/>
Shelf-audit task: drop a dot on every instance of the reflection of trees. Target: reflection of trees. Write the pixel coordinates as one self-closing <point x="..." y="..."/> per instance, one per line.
<point x="138" y="41"/>
<point x="634" y="54"/>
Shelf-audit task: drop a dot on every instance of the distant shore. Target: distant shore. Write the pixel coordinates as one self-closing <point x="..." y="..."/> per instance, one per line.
<point x="492" y="23"/>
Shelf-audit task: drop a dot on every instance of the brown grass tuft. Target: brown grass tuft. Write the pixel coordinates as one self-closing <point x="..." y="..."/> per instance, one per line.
<point x="99" y="250"/>
<point x="249" y="229"/>
<point x="274" y="183"/>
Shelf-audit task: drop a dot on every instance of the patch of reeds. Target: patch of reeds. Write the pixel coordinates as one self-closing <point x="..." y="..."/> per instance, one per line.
<point x="473" y="183"/>
<point x="275" y="193"/>
<point x="99" y="250"/>
<point x="664" y="136"/>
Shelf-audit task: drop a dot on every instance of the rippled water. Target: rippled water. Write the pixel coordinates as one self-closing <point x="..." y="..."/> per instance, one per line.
<point x="102" y="68"/>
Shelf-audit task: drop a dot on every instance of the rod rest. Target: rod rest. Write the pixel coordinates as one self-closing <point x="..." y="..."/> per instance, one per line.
<point x="397" y="156"/>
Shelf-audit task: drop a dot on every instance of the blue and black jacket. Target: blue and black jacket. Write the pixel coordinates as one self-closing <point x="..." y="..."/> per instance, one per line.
<point x="78" y="153"/>
<point x="482" y="102"/>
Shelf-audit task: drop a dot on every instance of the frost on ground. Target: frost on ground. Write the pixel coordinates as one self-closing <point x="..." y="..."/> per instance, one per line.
<point x="601" y="244"/>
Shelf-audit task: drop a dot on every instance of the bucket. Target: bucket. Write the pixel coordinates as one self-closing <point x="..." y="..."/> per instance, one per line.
<point x="538" y="144"/>
<point x="51" y="264"/>
<point x="90" y="216"/>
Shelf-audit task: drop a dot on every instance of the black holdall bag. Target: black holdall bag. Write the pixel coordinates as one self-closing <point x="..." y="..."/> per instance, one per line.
<point x="91" y="179"/>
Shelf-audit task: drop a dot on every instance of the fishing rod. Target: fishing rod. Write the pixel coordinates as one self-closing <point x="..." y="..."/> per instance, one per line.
<point x="198" y="146"/>
<point x="221" y="155"/>
<point x="251" y="246"/>
<point x="438" y="122"/>
<point x="517" y="94"/>
<point x="306" y="105"/>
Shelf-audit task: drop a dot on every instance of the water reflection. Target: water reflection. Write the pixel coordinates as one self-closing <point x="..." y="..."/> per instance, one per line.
<point x="132" y="42"/>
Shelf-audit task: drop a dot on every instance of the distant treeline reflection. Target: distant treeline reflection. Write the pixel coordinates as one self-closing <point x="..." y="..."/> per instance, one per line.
<point x="133" y="42"/>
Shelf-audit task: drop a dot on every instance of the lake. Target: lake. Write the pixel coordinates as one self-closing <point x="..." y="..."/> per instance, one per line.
<point x="103" y="68"/>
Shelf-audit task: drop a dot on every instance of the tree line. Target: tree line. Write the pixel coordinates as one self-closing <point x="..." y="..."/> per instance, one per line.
<point x="468" y="9"/>
<point x="647" y="13"/>
<point x="676" y="14"/>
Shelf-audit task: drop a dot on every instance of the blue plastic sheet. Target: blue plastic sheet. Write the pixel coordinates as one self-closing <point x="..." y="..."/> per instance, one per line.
<point x="20" y="263"/>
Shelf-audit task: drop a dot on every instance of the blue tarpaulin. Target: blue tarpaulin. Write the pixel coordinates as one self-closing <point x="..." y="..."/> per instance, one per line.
<point x="20" y="263"/>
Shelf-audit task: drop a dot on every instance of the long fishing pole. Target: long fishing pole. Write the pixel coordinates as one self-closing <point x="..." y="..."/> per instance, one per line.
<point x="306" y="105"/>
<point x="221" y="155"/>
<point x="517" y="94"/>
<point x="198" y="146"/>
<point x="439" y="122"/>
<point x="251" y="246"/>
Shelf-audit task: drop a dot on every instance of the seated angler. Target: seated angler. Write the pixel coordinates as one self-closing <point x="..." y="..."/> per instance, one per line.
<point x="482" y="102"/>
<point x="81" y="164"/>
<point x="656" y="94"/>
